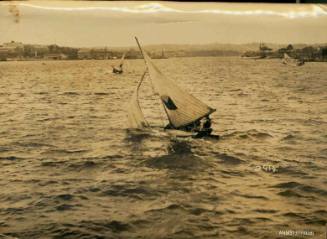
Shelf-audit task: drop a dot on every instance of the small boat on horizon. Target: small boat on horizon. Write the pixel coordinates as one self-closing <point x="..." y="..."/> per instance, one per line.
<point x="119" y="68"/>
<point x="287" y="60"/>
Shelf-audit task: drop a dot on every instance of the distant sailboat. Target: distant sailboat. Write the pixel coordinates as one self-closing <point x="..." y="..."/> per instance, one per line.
<point x="119" y="69"/>
<point x="183" y="110"/>
<point x="287" y="60"/>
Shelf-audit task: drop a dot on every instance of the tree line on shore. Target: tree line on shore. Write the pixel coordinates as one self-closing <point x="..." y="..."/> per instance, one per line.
<point x="306" y="53"/>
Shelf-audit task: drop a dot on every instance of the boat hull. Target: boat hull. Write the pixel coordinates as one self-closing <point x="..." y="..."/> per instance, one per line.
<point x="117" y="70"/>
<point x="186" y="134"/>
<point x="180" y="133"/>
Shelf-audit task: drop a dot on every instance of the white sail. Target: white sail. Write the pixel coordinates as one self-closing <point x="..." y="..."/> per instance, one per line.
<point x="135" y="115"/>
<point x="122" y="60"/>
<point x="181" y="108"/>
<point x="119" y="68"/>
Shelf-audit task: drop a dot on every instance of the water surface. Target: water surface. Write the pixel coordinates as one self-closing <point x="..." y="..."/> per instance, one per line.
<point x="71" y="168"/>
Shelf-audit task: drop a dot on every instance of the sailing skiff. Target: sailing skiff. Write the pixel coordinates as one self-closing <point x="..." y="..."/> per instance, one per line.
<point x="287" y="60"/>
<point x="182" y="109"/>
<point x="119" y="68"/>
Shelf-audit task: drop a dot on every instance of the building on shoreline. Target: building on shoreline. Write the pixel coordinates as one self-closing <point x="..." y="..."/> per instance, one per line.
<point x="306" y="53"/>
<point x="3" y="53"/>
<point x="97" y="54"/>
<point x="11" y="51"/>
<point x="84" y="54"/>
<point x="35" y="51"/>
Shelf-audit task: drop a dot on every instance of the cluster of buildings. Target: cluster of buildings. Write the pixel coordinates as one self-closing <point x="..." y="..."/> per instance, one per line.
<point x="11" y="50"/>
<point x="19" y="51"/>
<point x="104" y="53"/>
<point x="307" y="53"/>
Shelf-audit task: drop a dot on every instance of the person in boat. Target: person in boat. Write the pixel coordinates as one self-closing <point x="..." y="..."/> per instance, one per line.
<point x="205" y="128"/>
<point x="118" y="69"/>
<point x="194" y="126"/>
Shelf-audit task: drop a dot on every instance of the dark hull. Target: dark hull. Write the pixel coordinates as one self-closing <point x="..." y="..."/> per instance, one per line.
<point x="117" y="71"/>
<point x="209" y="136"/>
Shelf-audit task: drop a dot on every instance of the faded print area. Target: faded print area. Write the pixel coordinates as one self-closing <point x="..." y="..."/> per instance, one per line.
<point x="114" y="23"/>
<point x="71" y="167"/>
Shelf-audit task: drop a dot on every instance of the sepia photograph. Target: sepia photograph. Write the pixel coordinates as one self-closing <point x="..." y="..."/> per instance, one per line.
<point x="163" y="120"/>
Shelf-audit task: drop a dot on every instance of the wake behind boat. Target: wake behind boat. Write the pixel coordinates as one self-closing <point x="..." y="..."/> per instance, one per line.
<point x="187" y="115"/>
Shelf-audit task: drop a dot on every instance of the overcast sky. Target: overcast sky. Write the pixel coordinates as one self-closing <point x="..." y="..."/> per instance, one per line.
<point x="116" y="23"/>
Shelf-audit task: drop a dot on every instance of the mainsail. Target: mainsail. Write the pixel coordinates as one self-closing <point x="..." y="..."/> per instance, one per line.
<point x="181" y="108"/>
<point x="135" y="115"/>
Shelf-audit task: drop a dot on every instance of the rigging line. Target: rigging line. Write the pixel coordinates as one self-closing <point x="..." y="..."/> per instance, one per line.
<point x="137" y="92"/>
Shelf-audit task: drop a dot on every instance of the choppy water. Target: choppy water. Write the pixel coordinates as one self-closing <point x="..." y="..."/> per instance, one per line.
<point x="71" y="169"/>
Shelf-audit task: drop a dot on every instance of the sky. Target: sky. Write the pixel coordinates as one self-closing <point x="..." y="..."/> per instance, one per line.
<point x="81" y="24"/>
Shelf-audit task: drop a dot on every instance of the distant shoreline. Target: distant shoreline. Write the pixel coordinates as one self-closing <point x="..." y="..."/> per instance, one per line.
<point x="19" y="51"/>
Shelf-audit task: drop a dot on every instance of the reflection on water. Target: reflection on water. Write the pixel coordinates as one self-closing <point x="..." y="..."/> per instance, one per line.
<point x="71" y="169"/>
<point x="179" y="156"/>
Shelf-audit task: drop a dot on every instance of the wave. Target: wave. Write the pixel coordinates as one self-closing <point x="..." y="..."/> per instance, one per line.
<point x="232" y="173"/>
<point x="42" y="93"/>
<point x="249" y="134"/>
<point x="101" y="93"/>
<point x="10" y="158"/>
<point x="293" y="171"/>
<point x="296" y="189"/>
<point x="170" y="207"/>
<point x="306" y="218"/>
<point x="4" y="149"/>
<point x="65" y="197"/>
<point x="291" y="193"/>
<point x="84" y="165"/>
<point x="34" y="145"/>
<point x="70" y="93"/>
<point x="64" y="207"/>
<point x="178" y="157"/>
<point x="289" y="137"/>
<point x="131" y="191"/>
<point x="253" y="196"/>
<point x="228" y="159"/>
<point x="265" y="211"/>
<point x="84" y="229"/>
<point x="67" y="151"/>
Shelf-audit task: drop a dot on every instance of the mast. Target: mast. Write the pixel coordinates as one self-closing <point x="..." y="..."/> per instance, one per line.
<point x="139" y="45"/>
